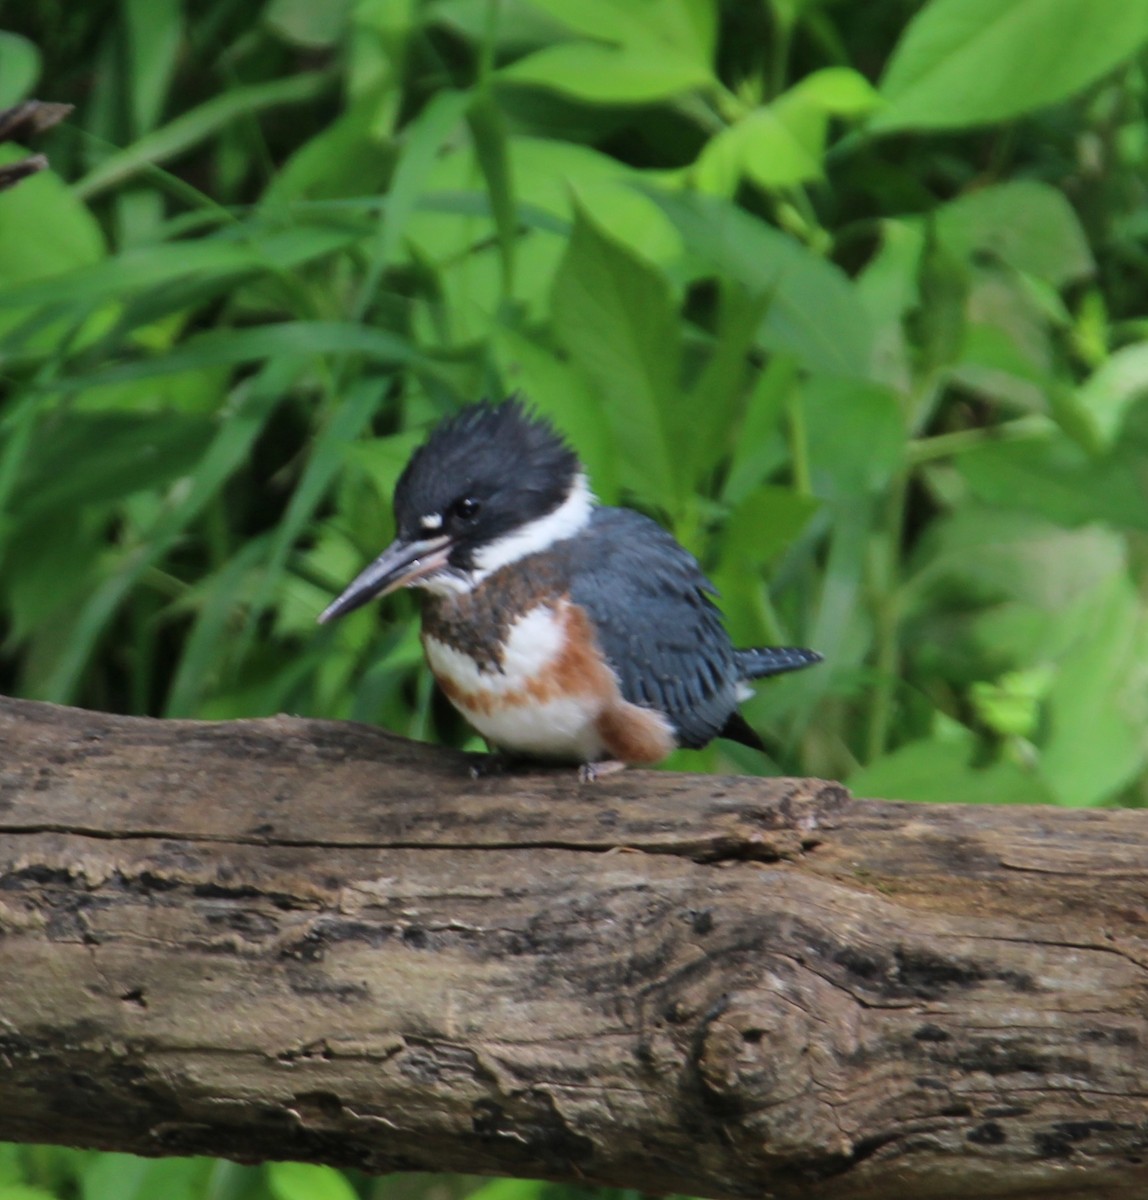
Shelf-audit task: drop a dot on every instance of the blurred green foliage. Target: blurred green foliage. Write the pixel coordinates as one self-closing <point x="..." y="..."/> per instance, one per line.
<point x="851" y="296"/>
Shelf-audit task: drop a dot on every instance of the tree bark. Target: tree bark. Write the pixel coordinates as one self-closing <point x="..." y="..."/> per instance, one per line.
<point x="313" y="940"/>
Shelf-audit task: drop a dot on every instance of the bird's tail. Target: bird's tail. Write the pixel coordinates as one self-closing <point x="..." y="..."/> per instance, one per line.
<point x="773" y="660"/>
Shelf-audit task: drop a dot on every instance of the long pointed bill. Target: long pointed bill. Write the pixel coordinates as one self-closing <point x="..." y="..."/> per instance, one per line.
<point x="400" y="565"/>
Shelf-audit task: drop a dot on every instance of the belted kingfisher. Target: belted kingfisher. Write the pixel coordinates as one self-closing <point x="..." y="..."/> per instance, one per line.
<point x="560" y="629"/>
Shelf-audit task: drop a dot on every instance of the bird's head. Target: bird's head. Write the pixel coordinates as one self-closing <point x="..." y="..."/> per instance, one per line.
<point x="489" y="486"/>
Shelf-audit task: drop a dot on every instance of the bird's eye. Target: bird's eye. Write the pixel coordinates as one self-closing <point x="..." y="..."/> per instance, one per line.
<point x="466" y="509"/>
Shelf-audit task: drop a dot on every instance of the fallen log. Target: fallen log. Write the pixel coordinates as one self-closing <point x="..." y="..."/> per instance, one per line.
<point x="305" y="939"/>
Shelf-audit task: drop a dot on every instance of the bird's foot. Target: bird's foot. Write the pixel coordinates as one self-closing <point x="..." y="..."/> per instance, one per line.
<point x="487" y="766"/>
<point x="591" y="772"/>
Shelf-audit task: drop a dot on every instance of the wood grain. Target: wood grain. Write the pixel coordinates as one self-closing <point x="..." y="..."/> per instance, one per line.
<point x="311" y="940"/>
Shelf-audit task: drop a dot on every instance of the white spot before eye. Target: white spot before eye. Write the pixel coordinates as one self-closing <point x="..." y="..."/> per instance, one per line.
<point x="431" y="521"/>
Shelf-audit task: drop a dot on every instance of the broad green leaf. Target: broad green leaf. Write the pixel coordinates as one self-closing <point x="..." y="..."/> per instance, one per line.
<point x="512" y="1189"/>
<point x="1026" y="224"/>
<point x="346" y="158"/>
<point x="561" y="392"/>
<point x="616" y="316"/>
<point x="763" y="526"/>
<point x="305" y="23"/>
<point x="984" y="555"/>
<point x="1057" y="480"/>
<point x="856" y="435"/>
<point x="652" y="26"/>
<point x="939" y="770"/>
<point x="1098" y="711"/>
<point x="44" y="231"/>
<point x="114" y="1176"/>
<point x="24" y="1191"/>
<point x="839" y="91"/>
<point x="1010" y="706"/>
<point x="603" y="74"/>
<point x="782" y="144"/>
<point x="815" y="313"/>
<point x="19" y="68"/>
<point x="306" y="1181"/>
<point x="46" y="234"/>
<point x="547" y="177"/>
<point x="1106" y="395"/>
<point x="762" y="146"/>
<point x="11" y="1164"/>
<point x="965" y="62"/>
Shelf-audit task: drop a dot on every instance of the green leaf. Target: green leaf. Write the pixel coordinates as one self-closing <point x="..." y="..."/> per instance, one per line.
<point x="615" y="314"/>
<point x="765" y="524"/>
<point x="221" y="347"/>
<point x="154" y="33"/>
<point x="220" y="259"/>
<point x="938" y="770"/>
<point x="114" y="1176"/>
<point x="44" y="231"/>
<point x="838" y="91"/>
<point x="190" y="128"/>
<point x="21" y="1191"/>
<point x="782" y="144"/>
<point x="19" y="68"/>
<point x="138" y="454"/>
<point x="965" y="62"/>
<point x="652" y="26"/>
<point x="602" y="74"/>
<point x="208" y="642"/>
<point x="492" y="152"/>
<point x="558" y="390"/>
<point x="230" y="447"/>
<point x="423" y="141"/>
<point x="1098" y="713"/>
<point x="327" y="458"/>
<point x="306" y="1181"/>
<point x="704" y="424"/>
<point x="764" y="147"/>
<point x="815" y="314"/>
<point x="1057" y="480"/>
<point x="1010" y="706"/>
<point x="1105" y="397"/>
<point x="512" y="1189"/>
<point x="856" y="434"/>
<point x="1026" y="224"/>
<point x="305" y="23"/>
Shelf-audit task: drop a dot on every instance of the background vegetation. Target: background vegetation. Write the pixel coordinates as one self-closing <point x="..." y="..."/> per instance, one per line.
<point x="851" y="296"/>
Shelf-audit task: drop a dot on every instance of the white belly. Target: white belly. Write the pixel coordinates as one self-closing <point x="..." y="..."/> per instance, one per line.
<point x="515" y="708"/>
<point x="562" y="729"/>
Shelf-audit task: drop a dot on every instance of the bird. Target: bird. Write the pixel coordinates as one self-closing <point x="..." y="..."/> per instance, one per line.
<point x="563" y="630"/>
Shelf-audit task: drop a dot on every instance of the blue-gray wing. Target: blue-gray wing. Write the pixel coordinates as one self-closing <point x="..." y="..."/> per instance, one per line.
<point x="660" y="631"/>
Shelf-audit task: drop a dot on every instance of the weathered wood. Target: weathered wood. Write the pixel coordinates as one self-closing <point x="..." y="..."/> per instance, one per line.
<point x="305" y="939"/>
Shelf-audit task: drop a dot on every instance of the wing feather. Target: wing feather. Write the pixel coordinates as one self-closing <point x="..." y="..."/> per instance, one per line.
<point x="660" y="631"/>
